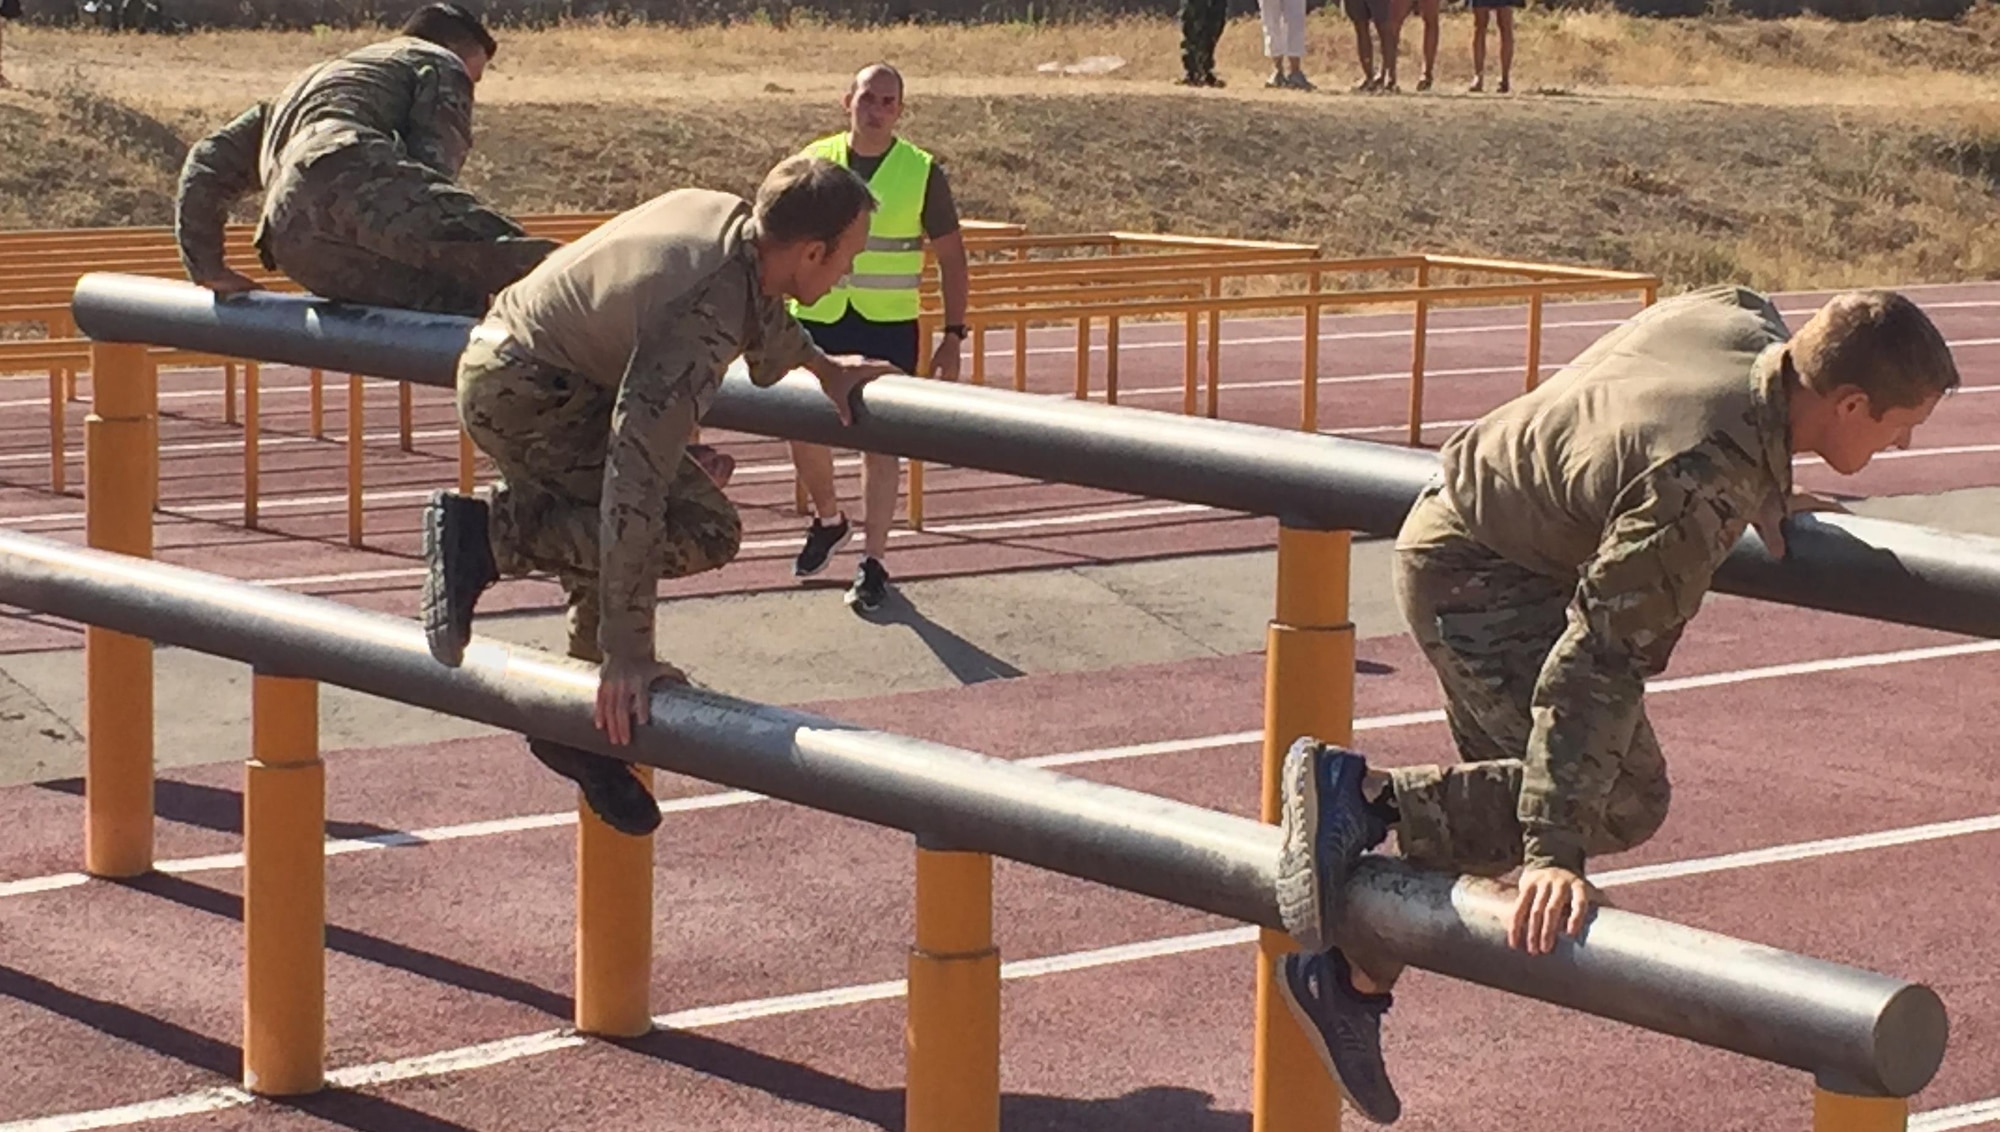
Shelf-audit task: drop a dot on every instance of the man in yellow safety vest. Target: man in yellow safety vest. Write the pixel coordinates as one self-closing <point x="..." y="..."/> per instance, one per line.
<point x="873" y="312"/>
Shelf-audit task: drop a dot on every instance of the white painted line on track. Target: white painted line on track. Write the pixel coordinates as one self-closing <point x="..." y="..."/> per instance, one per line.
<point x="729" y="798"/>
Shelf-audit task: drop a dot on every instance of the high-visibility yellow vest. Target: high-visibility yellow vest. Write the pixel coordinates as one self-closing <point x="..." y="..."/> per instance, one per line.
<point x="884" y="282"/>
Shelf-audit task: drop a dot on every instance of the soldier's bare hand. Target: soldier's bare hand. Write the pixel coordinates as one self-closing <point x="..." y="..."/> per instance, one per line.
<point x="230" y="283"/>
<point x="945" y="362"/>
<point x="841" y="376"/>
<point x="1551" y="900"/>
<point x="625" y="694"/>
<point x="1770" y="520"/>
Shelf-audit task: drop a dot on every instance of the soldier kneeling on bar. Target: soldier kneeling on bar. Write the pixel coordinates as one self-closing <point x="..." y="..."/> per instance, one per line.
<point x="585" y="385"/>
<point x="1547" y="575"/>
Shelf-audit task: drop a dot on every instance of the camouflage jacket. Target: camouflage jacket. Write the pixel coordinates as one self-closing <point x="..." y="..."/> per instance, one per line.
<point x="652" y="307"/>
<point x="408" y="92"/>
<point x="1633" y="472"/>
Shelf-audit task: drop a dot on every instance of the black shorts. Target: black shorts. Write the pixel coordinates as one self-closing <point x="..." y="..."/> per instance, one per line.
<point x="892" y="342"/>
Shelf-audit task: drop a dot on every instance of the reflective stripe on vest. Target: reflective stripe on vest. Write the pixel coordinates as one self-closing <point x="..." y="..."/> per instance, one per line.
<point x="887" y="274"/>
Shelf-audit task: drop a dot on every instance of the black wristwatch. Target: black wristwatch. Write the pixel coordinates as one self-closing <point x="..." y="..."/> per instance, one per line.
<point x="959" y="330"/>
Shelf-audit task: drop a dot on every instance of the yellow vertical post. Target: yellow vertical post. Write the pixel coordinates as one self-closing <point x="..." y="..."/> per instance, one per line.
<point x="58" y="422"/>
<point x="1191" y="361"/>
<point x="1021" y="354"/>
<point x="316" y="408"/>
<point x="229" y="393"/>
<point x="979" y="353"/>
<point x="952" y="1039"/>
<point x="466" y="458"/>
<point x="1843" y="1112"/>
<point x="356" y="413"/>
<point x="405" y="434"/>
<point x="1419" y="335"/>
<point x="1111" y="360"/>
<point x="284" y="891"/>
<point x="614" y="927"/>
<point x="251" y="380"/>
<point x="1308" y="690"/>
<point x="119" y="473"/>
<point x="1309" y="391"/>
<point x="1650" y="295"/>
<point x="1215" y="346"/>
<point x="1083" y="358"/>
<point x="1534" y="376"/>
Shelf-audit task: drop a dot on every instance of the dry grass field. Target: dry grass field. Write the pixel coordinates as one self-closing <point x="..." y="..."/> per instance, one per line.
<point x="1792" y="153"/>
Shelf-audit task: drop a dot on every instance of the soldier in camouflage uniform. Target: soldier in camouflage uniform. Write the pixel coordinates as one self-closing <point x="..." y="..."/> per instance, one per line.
<point x="1547" y="575"/>
<point x="357" y="160"/>
<point x="585" y="384"/>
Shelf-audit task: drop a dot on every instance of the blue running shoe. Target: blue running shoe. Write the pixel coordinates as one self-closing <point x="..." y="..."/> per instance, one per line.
<point x="1327" y="826"/>
<point x="1345" y="1026"/>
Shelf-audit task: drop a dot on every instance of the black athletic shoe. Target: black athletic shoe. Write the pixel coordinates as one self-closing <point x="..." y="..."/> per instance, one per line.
<point x="459" y="567"/>
<point x="1327" y="825"/>
<point x="822" y="540"/>
<point x="1345" y="1026"/>
<point x="871" y="586"/>
<point x="609" y="788"/>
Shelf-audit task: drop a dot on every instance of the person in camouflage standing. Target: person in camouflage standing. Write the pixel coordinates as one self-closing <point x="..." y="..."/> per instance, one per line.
<point x="357" y="160"/>
<point x="585" y="384"/>
<point x="1547" y="575"/>
<point x="1201" y="27"/>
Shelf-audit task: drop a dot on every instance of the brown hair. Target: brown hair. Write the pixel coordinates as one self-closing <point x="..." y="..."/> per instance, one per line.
<point x="450" y="26"/>
<point x="1877" y="342"/>
<point x="810" y="198"/>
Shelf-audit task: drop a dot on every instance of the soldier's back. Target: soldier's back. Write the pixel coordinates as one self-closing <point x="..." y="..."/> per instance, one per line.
<point x="364" y="95"/>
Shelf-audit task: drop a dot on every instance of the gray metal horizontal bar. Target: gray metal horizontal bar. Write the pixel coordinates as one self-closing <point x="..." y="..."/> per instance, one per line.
<point x="1866" y="1031"/>
<point x="1867" y="567"/>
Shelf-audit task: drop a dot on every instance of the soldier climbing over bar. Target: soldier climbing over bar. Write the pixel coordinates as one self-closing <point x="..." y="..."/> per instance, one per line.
<point x="357" y="160"/>
<point x="585" y="384"/>
<point x="1547" y="574"/>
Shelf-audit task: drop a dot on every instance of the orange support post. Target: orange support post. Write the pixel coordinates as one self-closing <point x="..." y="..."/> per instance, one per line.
<point x="1215" y="348"/>
<point x="979" y="354"/>
<point x="1419" y="336"/>
<point x="1843" y="1112"/>
<point x="1191" y="363"/>
<point x="284" y="891"/>
<point x="1534" y="375"/>
<point x="251" y="379"/>
<point x="356" y="419"/>
<point x="1308" y="690"/>
<point x="1111" y="360"/>
<point x="229" y="393"/>
<point x="952" y="1039"/>
<point x="316" y="409"/>
<point x="119" y="475"/>
<point x="58" y="423"/>
<point x="614" y="927"/>
<point x="466" y="458"/>
<point x="405" y="431"/>
<point x="1083" y="358"/>
<point x="1309" y="390"/>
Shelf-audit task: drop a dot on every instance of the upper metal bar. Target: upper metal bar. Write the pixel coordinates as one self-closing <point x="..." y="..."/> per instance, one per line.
<point x="1865" y="1031"/>
<point x="1847" y="564"/>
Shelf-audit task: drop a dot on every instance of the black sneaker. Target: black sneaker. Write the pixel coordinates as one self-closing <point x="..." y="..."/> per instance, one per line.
<point x="1345" y="1026"/>
<point x="821" y="541"/>
<point x="1327" y="824"/>
<point x="609" y="788"/>
<point x="459" y="567"/>
<point x="871" y="585"/>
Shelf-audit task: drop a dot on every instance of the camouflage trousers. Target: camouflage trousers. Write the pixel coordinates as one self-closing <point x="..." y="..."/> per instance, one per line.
<point x="366" y="225"/>
<point x="1486" y="626"/>
<point x="546" y="430"/>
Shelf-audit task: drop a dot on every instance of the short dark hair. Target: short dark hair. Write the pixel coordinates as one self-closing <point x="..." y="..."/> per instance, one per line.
<point x="450" y="26"/>
<point x="810" y="198"/>
<point x="1878" y="342"/>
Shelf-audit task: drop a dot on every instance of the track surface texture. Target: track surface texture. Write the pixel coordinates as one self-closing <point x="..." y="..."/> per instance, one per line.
<point x="782" y="934"/>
